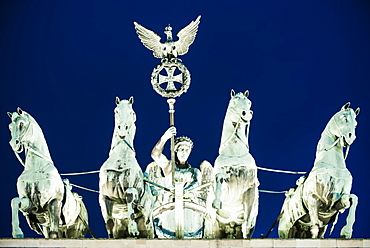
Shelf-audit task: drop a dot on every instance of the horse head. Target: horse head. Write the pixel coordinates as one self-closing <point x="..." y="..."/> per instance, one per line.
<point x="239" y="109"/>
<point x="125" y="118"/>
<point x="19" y="130"/>
<point x="343" y="124"/>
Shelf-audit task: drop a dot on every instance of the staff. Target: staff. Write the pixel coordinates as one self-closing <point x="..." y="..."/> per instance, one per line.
<point x="168" y="52"/>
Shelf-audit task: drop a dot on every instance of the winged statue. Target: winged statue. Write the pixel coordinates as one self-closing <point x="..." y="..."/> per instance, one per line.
<point x="170" y="48"/>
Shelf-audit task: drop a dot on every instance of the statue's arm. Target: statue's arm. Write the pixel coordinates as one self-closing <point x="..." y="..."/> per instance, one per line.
<point x="157" y="152"/>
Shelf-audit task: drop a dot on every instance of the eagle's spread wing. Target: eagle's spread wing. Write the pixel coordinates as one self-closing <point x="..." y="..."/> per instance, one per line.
<point x="187" y="36"/>
<point x="150" y="39"/>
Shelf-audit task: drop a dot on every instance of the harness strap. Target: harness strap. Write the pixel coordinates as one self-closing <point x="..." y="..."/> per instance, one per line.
<point x="77" y="186"/>
<point x="347" y="151"/>
<point x="27" y="149"/>
<point x="87" y="227"/>
<point x="234" y="132"/>
<point x="39" y="154"/>
<point x="125" y="141"/>
<point x="282" y="171"/>
<point x="19" y="158"/>
<point x="337" y="140"/>
<point x="79" y="173"/>
<point x="334" y="144"/>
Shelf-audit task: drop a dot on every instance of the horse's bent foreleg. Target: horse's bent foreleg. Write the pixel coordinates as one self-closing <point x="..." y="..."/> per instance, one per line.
<point x="17" y="204"/>
<point x="54" y="208"/>
<point x="346" y="231"/>
<point x="217" y="203"/>
<point x="131" y="198"/>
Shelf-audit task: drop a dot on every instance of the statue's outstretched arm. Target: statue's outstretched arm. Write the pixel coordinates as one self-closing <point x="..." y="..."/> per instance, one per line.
<point x="157" y="154"/>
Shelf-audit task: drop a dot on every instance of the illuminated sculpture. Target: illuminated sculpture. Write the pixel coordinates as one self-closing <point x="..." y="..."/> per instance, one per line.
<point x="318" y="199"/>
<point x="46" y="201"/>
<point x="233" y="208"/>
<point x="125" y="200"/>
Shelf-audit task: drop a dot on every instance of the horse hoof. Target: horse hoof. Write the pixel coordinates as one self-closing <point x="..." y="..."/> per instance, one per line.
<point x="18" y="236"/>
<point x="132" y="230"/>
<point x="346" y="233"/>
<point x="217" y="204"/>
<point x="53" y="235"/>
<point x="109" y="225"/>
<point x="133" y="233"/>
<point x="315" y="231"/>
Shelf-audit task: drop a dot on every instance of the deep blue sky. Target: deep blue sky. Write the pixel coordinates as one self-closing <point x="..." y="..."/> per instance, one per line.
<point x="65" y="62"/>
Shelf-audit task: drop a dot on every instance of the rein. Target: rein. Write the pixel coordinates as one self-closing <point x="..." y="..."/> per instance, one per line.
<point x="129" y="146"/>
<point x="27" y="148"/>
<point x="236" y="134"/>
<point x="125" y="141"/>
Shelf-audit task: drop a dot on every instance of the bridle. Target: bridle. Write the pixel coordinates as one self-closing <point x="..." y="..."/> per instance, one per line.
<point x="236" y="126"/>
<point x="27" y="147"/>
<point x="124" y="140"/>
<point x="338" y="139"/>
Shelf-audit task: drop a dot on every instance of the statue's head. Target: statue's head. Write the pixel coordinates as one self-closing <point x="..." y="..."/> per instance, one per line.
<point x="183" y="147"/>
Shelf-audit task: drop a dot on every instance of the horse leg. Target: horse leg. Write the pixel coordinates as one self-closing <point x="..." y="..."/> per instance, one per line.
<point x="106" y="206"/>
<point x="217" y="203"/>
<point x="313" y="204"/>
<point x="146" y="209"/>
<point x="17" y="204"/>
<point x="54" y="208"/>
<point x="346" y="231"/>
<point x="131" y="197"/>
<point x="250" y="206"/>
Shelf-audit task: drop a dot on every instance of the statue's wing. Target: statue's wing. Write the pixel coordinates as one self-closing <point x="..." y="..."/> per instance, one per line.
<point x="187" y="36"/>
<point x="150" y="39"/>
<point x="207" y="170"/>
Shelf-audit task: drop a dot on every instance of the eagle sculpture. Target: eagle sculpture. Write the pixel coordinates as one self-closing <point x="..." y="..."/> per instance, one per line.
<point x="169" y="49"/>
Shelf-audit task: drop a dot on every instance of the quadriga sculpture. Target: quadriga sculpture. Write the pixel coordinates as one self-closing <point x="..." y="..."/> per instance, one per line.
<point x="48" y="204"/>
<point x="318" y="199"/>
<point x="235" y="198"/>
<point x="125" y="200"/>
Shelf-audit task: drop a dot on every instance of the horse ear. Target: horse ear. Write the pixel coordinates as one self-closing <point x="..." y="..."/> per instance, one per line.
<point x="345" y="106"/>
<point x="10" y="114"/>
<point x="357" y="111"/>
<point x="246" y="93"/>
<point x="232" y="93"/>
<point x="117" y="100"/>
<point x="19" y="110"/>
<point x="131" y="100"/>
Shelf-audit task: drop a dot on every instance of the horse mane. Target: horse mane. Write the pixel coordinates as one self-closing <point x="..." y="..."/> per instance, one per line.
<point x="37" y="131"/>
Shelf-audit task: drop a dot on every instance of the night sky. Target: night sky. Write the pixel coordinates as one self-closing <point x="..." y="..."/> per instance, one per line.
<point x="64" y="62"/>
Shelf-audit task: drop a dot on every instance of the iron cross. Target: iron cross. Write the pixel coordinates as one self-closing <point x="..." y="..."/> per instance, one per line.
<point x="170" y="78"/>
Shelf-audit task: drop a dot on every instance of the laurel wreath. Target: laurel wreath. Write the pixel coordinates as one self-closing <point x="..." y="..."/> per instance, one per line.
<point x="173" y="93"/>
